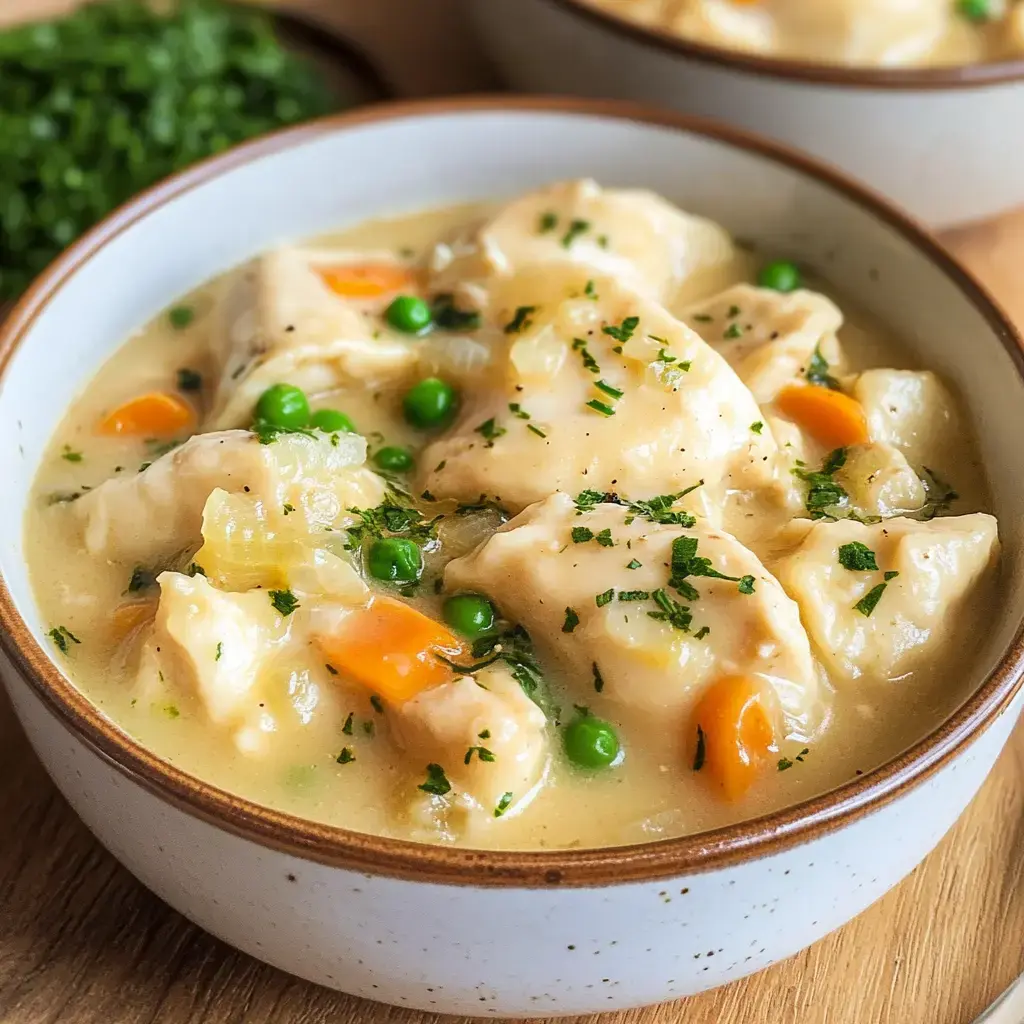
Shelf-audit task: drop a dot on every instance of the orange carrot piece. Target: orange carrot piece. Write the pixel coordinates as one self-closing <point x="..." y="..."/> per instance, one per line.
<point x="153" y="415"/>
<point x="367" y="280"/>
<point x="830" y="417"/>
<point x="391" y="649"/>
<point x="734" y="734"/>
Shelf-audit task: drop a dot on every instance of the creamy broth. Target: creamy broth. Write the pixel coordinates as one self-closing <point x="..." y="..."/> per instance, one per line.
<point x="883" y="33"/>
<point x="287" y="728"/>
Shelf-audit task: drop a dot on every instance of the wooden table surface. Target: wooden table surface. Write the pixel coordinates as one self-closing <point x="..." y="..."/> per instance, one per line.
<point x="82" y="942"/>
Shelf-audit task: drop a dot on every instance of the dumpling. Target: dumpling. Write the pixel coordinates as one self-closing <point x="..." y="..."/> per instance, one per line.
<point x="879" y="481"/>
<point x="245" y="666"/>
<point x="310" y="317"/>
<point x="726" y="23"/>
<point x="487" y="734"/>
<point x="634" y="236"/>
<point x="768" y="337"/>
<point x="593" y="592"/>
<point x="155" y="515"/>
<point x="1015" y="30"/>
<point x="596" y="388"/>
<point x="483" y="730"/>
<point x="859" y="631"/>
<point x="220" y="641"/>
<point x="870" y="32"/>
<point x="913" y="411"/>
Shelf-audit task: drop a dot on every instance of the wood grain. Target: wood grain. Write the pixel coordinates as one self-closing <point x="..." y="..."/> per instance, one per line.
<point x="81" y="942"/>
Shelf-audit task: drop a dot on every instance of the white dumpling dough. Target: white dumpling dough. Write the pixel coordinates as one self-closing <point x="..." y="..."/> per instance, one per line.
<point x="777" y="334"/>
<point x="442" y="724"/>
<point x="880" y="481"/>
<point x="534" y="571"/>
<point x="281" y="322"/>
<point x="683" y="416"/>
<point x="913" y="411"/>
<point x="156" y="514"/>
<point x="219" y="640"/>
<point x="634" y="236"/>
<point x="858" y="32"/>
<point x="939" y="564"/>
<point x="233" y="656"/>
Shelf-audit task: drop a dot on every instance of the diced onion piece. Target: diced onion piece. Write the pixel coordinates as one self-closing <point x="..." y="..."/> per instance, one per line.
<point x="539" y="355"/>
<point x="240" y="548"/>
<point x="324" y="574"/>
<point x="128" y="617"/>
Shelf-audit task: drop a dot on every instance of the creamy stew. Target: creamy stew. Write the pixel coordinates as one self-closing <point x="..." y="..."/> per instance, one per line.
<point x="567" y="522"/>
<point x="884" y="33"/>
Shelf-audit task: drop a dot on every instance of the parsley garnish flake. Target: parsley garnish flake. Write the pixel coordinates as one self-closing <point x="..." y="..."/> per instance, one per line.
<point x="60" y="635"/>
<point x="437" y="782"/>
<point x="283" y="601"/>
<point x="857" y="557"/>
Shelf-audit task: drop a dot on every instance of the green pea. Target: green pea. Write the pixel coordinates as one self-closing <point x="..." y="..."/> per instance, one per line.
<point x="181" y="316"/>
<point x="393" y="459"/>
<point x="471" y="615"/>
<point x="978" y="11"/>
<point x="430" y="403"/>
<point x="395" y="559"/>
<point x="780" y="276"/>
<point x="409" y="314"/>
<point x="331" y="421"/>
<point x="283" y="405"/>
<point x="590" y="742"/>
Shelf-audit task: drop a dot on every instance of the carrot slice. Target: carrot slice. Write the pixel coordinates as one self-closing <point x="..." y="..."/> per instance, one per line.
<point x="154" y="415"/>
<point x="830" y="417"/>
<point x="366" y="280"/>
<point x="734" y="734"/>
<point x="391" y="649"/>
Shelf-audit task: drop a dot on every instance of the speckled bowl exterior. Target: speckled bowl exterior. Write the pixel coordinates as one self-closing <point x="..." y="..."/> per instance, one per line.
<point x="945" y="143"/>
<point x="502" y="933"/>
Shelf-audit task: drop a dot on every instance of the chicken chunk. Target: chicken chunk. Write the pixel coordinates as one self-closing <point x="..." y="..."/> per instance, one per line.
<point x="488" y="734"/>
<point x="636" y="237"/>
<point x="860" y="631"/>
<point x="593" y="592"/>
<point x="769" y="337"/>
<point x="285" y="322"/>
<point x="604" y="391"/>
<point x="157" y="514"/>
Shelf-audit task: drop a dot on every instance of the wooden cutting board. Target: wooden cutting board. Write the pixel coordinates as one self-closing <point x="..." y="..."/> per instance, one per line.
<point x="82" y="943"/>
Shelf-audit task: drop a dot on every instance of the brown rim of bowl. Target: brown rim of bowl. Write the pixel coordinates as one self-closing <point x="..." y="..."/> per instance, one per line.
<point x="401" y="858"/>
<point x="954" y="76"/>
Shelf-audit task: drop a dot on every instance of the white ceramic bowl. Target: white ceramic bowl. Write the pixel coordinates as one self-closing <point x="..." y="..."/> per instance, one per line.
<point x="449" y="929"/>
<point x="945" y="143"/>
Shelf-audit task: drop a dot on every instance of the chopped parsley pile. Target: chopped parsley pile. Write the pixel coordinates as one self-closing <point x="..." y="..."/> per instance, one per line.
<point x="110" y="99"/>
